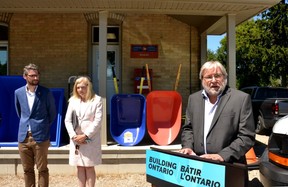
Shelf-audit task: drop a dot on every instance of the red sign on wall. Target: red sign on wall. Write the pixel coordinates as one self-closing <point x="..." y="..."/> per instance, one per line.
<point x="144" y="51"/>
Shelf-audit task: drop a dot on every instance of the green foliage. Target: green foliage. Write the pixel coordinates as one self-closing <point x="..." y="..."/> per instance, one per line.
<point x="249" y="49"/>
<point x="261" y="49"/>
<point x="211" y="56"/>
<point x="221" y="53"/>
<point x="274" y="23"/>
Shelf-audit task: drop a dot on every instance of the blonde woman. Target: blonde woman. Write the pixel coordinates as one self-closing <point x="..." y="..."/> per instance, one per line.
<point x="83" y="124"/>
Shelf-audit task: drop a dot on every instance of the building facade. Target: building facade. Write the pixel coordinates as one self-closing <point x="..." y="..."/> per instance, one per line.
<point x="89" y="37"/>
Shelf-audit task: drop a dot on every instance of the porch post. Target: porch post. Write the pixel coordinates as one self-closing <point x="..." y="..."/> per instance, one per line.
<point x="231" y="50"/>
<point x="103" y="17"/>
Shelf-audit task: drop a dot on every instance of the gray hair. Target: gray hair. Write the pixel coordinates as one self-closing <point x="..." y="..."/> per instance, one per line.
<point x="212" y="64"/>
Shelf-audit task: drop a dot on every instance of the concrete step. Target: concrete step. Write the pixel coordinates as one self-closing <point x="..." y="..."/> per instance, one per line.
<point x="115" y="159"/>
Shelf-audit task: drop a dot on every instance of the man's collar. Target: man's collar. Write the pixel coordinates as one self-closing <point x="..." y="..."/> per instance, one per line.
<point x="27" y="89"/>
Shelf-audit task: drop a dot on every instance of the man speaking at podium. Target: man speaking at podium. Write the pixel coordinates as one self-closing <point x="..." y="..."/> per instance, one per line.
<point x="219" y="121"/>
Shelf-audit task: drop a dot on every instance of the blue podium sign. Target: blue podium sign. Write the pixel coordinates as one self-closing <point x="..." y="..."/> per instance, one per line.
<point x="170" y="169"/>
<point x="184" y="172"/>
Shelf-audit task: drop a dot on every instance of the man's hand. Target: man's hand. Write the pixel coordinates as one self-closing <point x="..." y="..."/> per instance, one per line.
<point x="187" y="151"/>
<point x="213" y="157"/>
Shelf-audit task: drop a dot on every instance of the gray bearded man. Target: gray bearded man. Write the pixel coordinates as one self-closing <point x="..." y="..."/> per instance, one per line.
<point x="219" y="121"/>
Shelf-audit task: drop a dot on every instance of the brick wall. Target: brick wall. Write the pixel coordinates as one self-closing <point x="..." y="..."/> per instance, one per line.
<point x="58" y="44"/>
<point x="173" y="40"/>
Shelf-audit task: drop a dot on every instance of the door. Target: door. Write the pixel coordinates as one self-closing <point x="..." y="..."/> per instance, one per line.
<point x="112" y="62"/>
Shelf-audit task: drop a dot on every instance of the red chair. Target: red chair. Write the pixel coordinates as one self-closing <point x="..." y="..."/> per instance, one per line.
<point x="164" y="110"/>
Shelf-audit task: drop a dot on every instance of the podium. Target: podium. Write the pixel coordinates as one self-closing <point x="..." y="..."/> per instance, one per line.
<point x="171" y="169"/>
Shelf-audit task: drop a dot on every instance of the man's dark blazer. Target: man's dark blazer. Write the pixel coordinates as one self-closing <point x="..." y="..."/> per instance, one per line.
<point x="232" y="131"/>
<point x="41" y="116"/>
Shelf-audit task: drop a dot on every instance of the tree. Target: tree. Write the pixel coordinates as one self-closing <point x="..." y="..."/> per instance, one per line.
<point x="249" y="51"/>
<point x="261" y="49"/>
<point x="211" y="55"/>
<point x="274" y="23"/>
<point x="221" y="52"/>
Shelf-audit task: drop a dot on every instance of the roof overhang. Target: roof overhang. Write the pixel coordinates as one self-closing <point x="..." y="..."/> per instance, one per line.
<point x="206" y="15"/>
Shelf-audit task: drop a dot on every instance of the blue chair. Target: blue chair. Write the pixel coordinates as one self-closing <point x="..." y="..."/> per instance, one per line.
<point x="9" y="120"/>
<point x="128" y="118"/>
<point x="58" y="129"/>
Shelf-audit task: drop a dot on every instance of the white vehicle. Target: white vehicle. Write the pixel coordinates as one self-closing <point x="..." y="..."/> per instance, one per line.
<point x="274" y="161"/>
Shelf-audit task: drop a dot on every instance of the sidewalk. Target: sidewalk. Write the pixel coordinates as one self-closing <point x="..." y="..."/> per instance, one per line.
<point x="129" y="172"/>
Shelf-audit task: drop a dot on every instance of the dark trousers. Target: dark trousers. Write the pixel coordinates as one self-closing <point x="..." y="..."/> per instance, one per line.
<point x="32" y="153"/>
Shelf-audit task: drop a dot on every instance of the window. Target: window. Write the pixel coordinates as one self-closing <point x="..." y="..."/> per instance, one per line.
<point x="112" y="34"/>
<point x="3" y="60"/>
<point x="3" y="49"/>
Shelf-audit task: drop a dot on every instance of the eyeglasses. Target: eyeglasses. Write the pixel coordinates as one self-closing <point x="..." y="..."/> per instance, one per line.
<point x="216" y="76"/>
<point x="33" y="76"/>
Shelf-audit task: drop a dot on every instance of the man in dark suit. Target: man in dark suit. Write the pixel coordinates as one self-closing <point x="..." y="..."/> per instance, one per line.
<point x="219" y="121"/>
<point x="36" y="109"/>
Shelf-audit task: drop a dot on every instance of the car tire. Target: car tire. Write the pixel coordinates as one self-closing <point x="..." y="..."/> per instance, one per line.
<point x="260" y="126"/>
